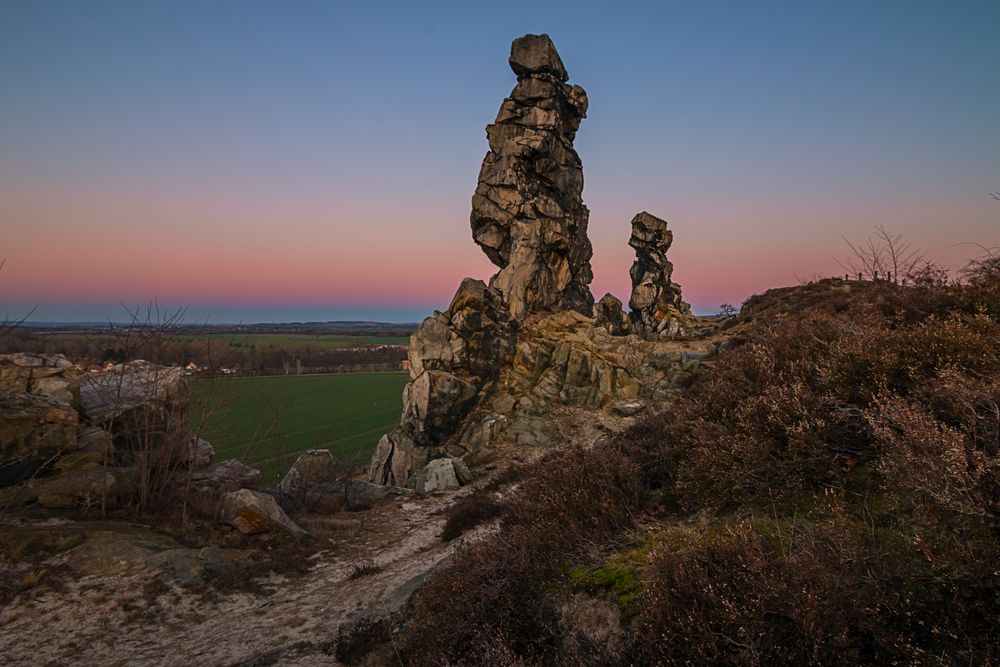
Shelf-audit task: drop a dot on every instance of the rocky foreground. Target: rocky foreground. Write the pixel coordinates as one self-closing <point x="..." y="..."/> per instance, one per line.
<point x="123" y="542"/>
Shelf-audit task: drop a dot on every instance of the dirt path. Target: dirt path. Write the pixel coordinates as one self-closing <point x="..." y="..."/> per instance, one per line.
<point x="98" y="620"/>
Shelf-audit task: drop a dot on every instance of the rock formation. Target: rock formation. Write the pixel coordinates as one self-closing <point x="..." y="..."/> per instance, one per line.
<point x="528" y="214"/>
<point x="71" y="440"/>
<point x="504" y="355"/>
<point x="608" y="313"/>
<point x="455" y="357"/>
<point x="656" y="304"/>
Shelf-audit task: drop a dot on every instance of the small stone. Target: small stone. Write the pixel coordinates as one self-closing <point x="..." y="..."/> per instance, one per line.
<point x="627" y="409"/>
<point x="462" y="472"/>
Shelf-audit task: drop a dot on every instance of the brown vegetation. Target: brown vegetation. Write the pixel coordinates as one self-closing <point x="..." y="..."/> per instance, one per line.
<point x="828" y="493"/>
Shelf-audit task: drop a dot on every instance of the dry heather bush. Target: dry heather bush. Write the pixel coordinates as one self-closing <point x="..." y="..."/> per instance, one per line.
<point x="492" y="600"/>
<point x="928" y="466"/>
<point x="469" y="512"/>
<point x="829" y="591"/>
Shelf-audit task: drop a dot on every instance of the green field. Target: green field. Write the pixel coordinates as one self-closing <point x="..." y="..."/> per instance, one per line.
<point x="268" y="421"/>
<point x="289" y="341"/>
<point x="320" y="341"/>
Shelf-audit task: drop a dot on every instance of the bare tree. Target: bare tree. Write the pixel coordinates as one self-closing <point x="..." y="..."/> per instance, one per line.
<point x="886" y="257"/>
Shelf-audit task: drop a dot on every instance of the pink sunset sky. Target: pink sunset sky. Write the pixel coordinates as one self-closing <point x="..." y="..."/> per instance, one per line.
<point x="292" y="170"/>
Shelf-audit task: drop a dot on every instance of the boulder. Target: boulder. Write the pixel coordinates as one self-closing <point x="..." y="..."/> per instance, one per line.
<point x="655" y="302"/>
<point x="145" y="408"/>
<point x="34" y="431"/>
<point x="113" y="394"/>
<point x="627" y="409"/>
<point x="315" y="470"/>
<point x="462" y="472"/>
<point x="438" y="475"/>
<point x="536" y="54"/>
<point x="608" y="313"/>
<point x="395" y="459"/>
<point x="200" y="453"/>
<point x="253" y="512"/>
<point x="51" y="375"/>
<point x="231" y="474"/>
<point x="528" y="214"/>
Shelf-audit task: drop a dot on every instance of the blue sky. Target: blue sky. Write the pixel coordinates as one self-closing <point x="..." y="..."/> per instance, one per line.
<point x="315" y="160"/>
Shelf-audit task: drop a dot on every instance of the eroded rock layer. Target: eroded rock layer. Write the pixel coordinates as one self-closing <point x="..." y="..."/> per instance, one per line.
<point x="528" y="214"/>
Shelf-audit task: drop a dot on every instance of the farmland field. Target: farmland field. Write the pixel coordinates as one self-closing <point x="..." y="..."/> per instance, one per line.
<point x="319" y="341"/>
<point x="267" y="421"/>
<point x="58" y="342"/>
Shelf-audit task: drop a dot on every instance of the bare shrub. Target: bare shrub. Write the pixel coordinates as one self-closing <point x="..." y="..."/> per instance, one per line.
<point x="469" y="512"/>
<point x="365" y="569"/>
<point x="930" y="466"/>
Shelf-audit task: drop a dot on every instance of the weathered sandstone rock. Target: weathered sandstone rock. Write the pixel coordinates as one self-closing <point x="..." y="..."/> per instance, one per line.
<point x="656" y="301"/>
<point x="146" y="407"/>
<point x="231" y="474"/>
<point x="255" y="512"/>
<point x="50" y="375"/>
<point x="314" y="470"/>
<point x="559" y="362"/>
<point x="528" y="214"/>
<point x="438" y="475"/>
<point x="608" y="313"/>
<point x="395" y="458"/>
<point x="34" y="431"/>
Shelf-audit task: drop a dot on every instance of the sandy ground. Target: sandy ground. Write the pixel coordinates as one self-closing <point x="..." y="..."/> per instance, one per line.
<point x="98" y="620"/>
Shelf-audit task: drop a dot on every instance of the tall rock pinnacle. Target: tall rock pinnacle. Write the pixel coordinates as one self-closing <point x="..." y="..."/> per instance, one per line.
<point x="655" y="298"/>
<point x="528" y="214"/>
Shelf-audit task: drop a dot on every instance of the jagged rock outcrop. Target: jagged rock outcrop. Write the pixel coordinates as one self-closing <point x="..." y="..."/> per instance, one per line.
<point x="34" y="430"/>
<point x="657" y="307"/>
<point x="528" y="217"/>
<point x="608" y="313"/>
<point x="560" y="361"/>
<point x="528" y="214"/>
<point x="455" y="358"/>
<point x="81" y="440"/>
